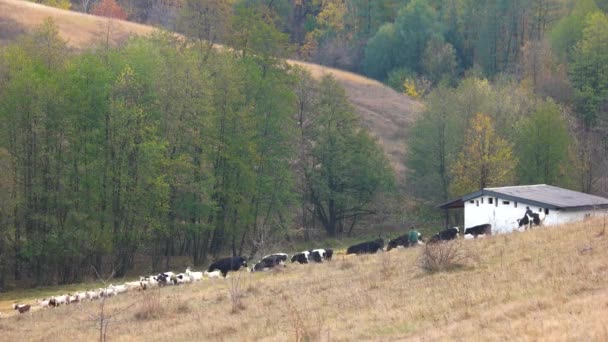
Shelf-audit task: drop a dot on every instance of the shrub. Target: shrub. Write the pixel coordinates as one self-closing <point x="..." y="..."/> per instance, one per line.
<point x="442" y="256"/>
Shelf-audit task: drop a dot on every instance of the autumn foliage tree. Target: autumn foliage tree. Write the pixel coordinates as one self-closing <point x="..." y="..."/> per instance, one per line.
<point x="485" y="160"/>
<point x="110" y="9"/>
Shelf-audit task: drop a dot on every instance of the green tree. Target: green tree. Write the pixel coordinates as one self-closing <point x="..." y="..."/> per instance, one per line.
<point x="380" y="52"/>
<point x="543" y="144"/>
<point x="590" y="69"/>
<point x="485" y="160"/>
<point x="347" y="169"/>
<point x="569" y="30"/>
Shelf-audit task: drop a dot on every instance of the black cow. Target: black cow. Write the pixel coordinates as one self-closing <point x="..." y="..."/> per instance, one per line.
<point x="367" y="247"/>
<point x="329" y="253"/>
<point x="268" y="261"/>
<point x="228" y="264"/>
<point x="481" y="229"/>
<point x="445" y="235"/>
<point x="302" y="257"/>
<point x="404" y="241"/>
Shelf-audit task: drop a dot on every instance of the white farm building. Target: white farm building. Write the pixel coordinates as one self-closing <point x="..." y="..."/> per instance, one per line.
<point x="501" y="207"/>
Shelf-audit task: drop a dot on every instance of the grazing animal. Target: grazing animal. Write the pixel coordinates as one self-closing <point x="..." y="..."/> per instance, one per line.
<point x="468" y="236"/>
<point x="63" y="299"/>
<point x="329" y="253"/>
<point x="214" y="274"/>
<point x="301" y="258"/>
<point x="147" y="282"/>
<point x="410" y="239"/>
<point x="268" y="262"/>
<point x="22" y="308"/>
<point x="282" y="256"/>
<point x="367" y="247"/>
<point x="196" y="276"/>
<point x="445" y="235"/>
<point x="118" y="289"/>
<point x="93" y="294"/>
<point x="317" y="255"/>
<point x="132" y="285"/>
<point x="481" y="229"/>
<point x="531" y="219"/>
<point x="73" y="299"/>
<point x="44" y="303"/>
<point x="183" y="278"/>
<point x="166" y="278"/>
<point x="228" y="264"/>
<point x="107" y="292"/>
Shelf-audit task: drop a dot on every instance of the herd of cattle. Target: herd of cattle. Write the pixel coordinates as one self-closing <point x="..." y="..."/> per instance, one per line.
<point x="221" y="267"/>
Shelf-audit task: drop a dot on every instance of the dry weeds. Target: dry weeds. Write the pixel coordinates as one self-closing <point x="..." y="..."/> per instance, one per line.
<point x="525" y="286"/>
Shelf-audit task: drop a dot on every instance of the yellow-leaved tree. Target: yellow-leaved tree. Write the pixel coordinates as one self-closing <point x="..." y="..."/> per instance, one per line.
<point x="486" y="159"/>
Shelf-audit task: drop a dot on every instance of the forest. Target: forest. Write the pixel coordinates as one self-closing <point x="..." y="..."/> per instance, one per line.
<point x="166" y="146"/>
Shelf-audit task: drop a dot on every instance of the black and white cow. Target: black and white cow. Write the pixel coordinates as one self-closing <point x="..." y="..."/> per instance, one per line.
<point x="281" y="256"/>
<point x="445" y="235"/>
<point x="268" y="262"/>
<point x="301" y="257"/>
<point x="482" y="229"/>
<point x="317" y="255"/>
<point x="531" y="219"/>
<point x="226" y="265"/>
<point x="368" y="247"/>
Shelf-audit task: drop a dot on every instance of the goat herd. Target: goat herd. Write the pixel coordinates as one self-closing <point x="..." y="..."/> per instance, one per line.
<point x="221" y="267"/>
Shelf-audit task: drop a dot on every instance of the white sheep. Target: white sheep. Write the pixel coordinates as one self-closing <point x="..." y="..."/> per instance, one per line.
<point x="118" y="289"/>
<point x="63" y="299"/>
<point x="214" y="274"/>
<point x="93" y="294"/>
<point x="131" y="285"/>
<point x="196" y="276"/>
<point x="107" y="292"/>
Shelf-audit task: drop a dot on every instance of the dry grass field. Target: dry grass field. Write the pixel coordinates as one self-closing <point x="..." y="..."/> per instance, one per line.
<point x="547" y="284"/>
<point x="386" y="113"/>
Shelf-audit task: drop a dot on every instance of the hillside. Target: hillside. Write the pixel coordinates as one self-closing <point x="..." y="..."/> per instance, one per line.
<point x="386" y="113"/>
<point x="540" y="284"/>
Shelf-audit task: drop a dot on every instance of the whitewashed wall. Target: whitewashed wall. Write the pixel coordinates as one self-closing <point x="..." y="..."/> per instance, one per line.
<point x="503" y="217"/>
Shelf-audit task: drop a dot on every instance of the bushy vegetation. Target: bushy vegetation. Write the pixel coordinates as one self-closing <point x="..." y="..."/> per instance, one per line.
<point x="164" y="147"/>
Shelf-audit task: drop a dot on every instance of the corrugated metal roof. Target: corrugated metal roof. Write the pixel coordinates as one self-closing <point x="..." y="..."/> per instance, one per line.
<point x="544" y="196"/>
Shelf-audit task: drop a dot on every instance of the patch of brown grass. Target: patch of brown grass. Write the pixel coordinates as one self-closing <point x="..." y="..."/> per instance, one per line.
<point x="533" y="285"/>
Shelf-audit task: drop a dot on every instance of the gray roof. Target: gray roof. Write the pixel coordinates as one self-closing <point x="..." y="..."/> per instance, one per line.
<point x="540" y="195"/>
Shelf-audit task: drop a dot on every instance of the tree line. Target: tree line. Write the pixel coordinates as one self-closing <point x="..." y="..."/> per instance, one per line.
<point x="163" y="147"/>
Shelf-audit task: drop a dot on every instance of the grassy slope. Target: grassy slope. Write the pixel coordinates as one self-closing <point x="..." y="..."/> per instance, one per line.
<point x="385" y="112"/>
<point x="549" y="284"/>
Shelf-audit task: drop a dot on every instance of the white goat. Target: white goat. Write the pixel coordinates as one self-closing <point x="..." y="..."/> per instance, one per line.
<point x="44" y="303"/>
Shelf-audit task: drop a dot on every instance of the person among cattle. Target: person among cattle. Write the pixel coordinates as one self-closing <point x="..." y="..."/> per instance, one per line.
<point x="413" y="237"/>
<point x="528" y="211"/>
